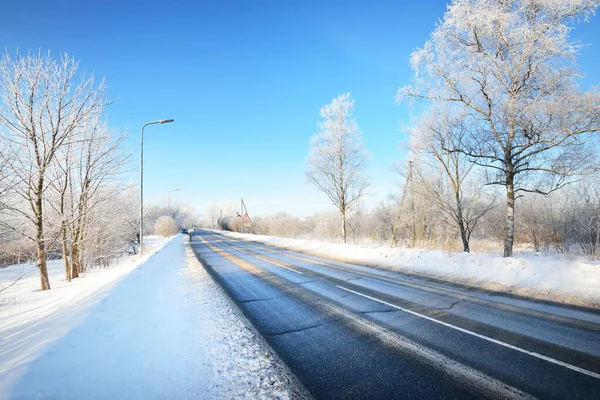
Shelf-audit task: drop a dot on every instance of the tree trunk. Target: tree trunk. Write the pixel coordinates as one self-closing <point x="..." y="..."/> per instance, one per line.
<point x="461" y="223"/>
<point x="39" y="226"/>
<point x="536" y="242"/>
<point x="394" y="241"/>
<point x="343" y="215"/>
<point x="464" y="237"/>
<point x="74" y="261"/>
<point x="41" y="256"/>
<point x="510" y="216"/>
<point x="65" y="253"/>
<point x="41" y="264"/>
<point x="75" y="267"/>
<point x="81" y="246"/>
<point x="81" y="250"/>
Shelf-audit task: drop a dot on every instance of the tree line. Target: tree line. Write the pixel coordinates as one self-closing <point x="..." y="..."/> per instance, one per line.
<point x="566" y="221"/>
<point x="60" y="166"/>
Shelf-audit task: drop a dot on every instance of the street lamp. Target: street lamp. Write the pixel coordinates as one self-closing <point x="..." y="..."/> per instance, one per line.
<point x="169" y="203"/>
<point x="160" y="121"/>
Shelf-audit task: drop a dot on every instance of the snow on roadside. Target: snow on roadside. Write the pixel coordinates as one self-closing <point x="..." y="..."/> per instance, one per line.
<point x="550" y="277"/>
<point x="31" y="319"/>
<point x="243" y="364"/>
<point x="166" y="328"/>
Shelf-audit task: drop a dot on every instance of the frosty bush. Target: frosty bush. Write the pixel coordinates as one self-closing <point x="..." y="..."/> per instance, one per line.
<point x="165" y="226"/>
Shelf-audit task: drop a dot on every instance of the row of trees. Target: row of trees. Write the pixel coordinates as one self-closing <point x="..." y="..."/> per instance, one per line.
<point x="60" y="164"/>
<point x="564" y="221"/>
<point x="499" y="104"/>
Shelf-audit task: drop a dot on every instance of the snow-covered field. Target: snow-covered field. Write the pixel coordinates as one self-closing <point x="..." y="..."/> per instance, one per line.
<point x="165" y="330"/>
<point x="552" y="277"/>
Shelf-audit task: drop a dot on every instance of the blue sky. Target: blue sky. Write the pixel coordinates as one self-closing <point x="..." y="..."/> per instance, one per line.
<point x="244" y="81"/>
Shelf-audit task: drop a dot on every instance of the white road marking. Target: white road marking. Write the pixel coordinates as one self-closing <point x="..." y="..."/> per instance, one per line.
<point x="279" y="265"/>
<point x="510" y="346"/>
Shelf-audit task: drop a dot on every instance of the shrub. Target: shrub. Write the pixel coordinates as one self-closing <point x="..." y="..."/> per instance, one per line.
<point x="165" y="226"/>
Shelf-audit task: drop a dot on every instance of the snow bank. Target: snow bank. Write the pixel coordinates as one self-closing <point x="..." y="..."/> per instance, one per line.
<point x="549" y="277"/>
<point x="244" y="366"/>
<point x="31" y="319"/>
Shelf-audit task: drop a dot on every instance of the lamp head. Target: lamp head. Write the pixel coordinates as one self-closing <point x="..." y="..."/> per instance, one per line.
<point x="165" y="121"/>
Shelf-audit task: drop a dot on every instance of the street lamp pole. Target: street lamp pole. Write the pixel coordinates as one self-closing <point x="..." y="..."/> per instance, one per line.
<point x="169" y="203"/>
<point x="160" y="121"/>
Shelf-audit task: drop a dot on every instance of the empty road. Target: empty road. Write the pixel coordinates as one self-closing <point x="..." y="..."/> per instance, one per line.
<point x="355" y="331"/>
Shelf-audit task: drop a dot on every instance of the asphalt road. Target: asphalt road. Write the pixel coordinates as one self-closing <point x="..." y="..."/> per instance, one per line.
<point x="354" y="331"/>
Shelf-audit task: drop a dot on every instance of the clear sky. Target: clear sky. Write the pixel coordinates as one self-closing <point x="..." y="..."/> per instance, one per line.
<point x="244" y="81"/>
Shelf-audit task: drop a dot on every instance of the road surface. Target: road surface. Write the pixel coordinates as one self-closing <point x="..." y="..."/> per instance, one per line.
<point x="354" y="331"/>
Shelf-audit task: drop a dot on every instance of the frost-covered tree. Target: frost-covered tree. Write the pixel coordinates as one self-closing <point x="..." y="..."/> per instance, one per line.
<point x="43" y="101"/>
<point x="7" y="179"/>
<point x="336" y="160"/>
<point x="108" y="233"/>
<point x="165" y="226"/>
<point x="444" y="175"/>
<point x="212" y="214"/>
<point x="93" y="179"/>
<point x="511" y="66"/>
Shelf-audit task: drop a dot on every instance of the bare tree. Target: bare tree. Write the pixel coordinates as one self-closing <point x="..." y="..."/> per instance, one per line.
<point x="585" y="217"/>
<point x="212" y="213"/>
<point x="385" y="219"/>
<point x="61" y="183"/>
<point x="405" y="209"/>
<point x="356" y="221"/>
<point x="337" y="158"/>
<point x="108" y="233"/>
<point x="43" y="104"/>
<point x="443" y="174"/>
<point x="510" y="65"/>
<point x="93" y="180"/>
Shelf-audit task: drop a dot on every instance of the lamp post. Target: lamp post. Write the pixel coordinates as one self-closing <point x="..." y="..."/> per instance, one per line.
<point x="169" y="203"/>
<point x="160" y="121"/>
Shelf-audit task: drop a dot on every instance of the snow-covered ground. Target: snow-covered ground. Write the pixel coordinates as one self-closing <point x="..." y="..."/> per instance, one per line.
<point x="31" y="319"/>
<point x="552" y="277"/>
<point x="163" y="331"/>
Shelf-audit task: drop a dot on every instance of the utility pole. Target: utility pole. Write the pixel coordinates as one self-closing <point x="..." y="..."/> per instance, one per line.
<point x="407" y="187"/>
<point x="412" y="202"/>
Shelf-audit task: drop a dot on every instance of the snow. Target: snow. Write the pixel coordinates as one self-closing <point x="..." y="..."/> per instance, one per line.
<point x="574" y="280"/>
<point x="243" y="365"/>
<point x="165" y="330"/>
<point x="31" y="319"/>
